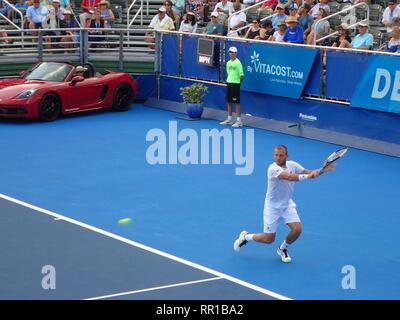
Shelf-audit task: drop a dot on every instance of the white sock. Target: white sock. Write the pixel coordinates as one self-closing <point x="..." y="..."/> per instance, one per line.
<point x="249" y="237"/>
<point x="239" y="120"/>
<point x="284" y="245"/>
<point x="229" y="118"/>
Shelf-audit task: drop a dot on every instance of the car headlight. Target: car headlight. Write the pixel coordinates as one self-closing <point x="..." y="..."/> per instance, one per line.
<point x="26" y="94"/>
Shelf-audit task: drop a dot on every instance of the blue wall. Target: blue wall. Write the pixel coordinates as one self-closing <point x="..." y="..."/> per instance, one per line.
<point x="365" y="123"/>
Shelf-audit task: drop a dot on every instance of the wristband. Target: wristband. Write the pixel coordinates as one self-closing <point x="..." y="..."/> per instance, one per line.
<point x="303" y="177"/>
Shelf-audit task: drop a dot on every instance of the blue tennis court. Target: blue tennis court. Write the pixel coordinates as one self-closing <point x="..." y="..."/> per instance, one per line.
<point x="90" y="170"/>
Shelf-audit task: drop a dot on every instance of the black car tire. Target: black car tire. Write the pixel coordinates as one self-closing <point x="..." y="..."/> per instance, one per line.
<point x="122" y="97"/>
<point x="49" y="108"/>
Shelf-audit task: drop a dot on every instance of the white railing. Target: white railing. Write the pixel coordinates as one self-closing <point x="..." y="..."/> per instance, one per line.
<point x="17" y="11"/>
<point x="129" y="21"/>
<point x="258" y="4"/>
<point x="111" y="45"/>
<point x="361" y="4"/>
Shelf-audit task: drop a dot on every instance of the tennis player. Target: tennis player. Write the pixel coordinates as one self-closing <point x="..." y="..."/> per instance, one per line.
<point x="279" y="204"/>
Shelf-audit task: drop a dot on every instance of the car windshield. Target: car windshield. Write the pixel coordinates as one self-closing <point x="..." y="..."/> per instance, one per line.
<point x="48" y="71"/>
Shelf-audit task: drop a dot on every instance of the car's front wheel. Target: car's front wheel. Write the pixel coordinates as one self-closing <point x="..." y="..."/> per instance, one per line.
<point x="122" y="97"/>
<point x="49" y="108"/>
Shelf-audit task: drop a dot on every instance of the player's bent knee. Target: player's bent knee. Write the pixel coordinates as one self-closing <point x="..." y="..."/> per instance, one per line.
<point x="269" y="237"/>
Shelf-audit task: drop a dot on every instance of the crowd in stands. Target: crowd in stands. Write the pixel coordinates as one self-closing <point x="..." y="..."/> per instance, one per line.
<point x="53" y="15"/>
<point x="293" y="21"/>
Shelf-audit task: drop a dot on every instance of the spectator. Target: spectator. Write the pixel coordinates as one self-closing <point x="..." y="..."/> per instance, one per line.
<point x="363" y="40"/>
<point x="88" y="7"/>
<point x="323" y="4"/>
<point x="279" y="34"/>
<point x="254" y="30"/>
<point x="214" y="27"/>
<point x="35" y="15"/>
<point x="5" y="10"/>
<point x="295" y="33"/>
<point x="393" y="45"/>
<point x="266" y="31"/>
<point x="237" y="20"/>
<point x="311" y="3"/>
<point x="52" y="21"/>
<point x="4" y="37"/>
<point x="343" y="34"/>
<point x="170" y="13"/>
<point x="248" y="3"/>
<point x="69" y="37"/>
<point x="305" y="20"/>
<point x="195" y="6"/>
<point x="159" y="22"/>
<point x="279" y="16"/>
<point x="266" y="9"/>
<point x="96" y="23"/>
<point x="209" y="6"/>
<point x="63" y="3"/>
<point x="293" y="10"/>
<point x="106" y="14"/>
<point x="270" y="4"/>
<point x="189" y="25"/>
<point x="22" y="6"/>
<point x="392" y="11"/>
<point x="179" y="7"/>
<point x="224" y="8"/>
<point x="319" y="29"/>
<point x="285" y="4"/>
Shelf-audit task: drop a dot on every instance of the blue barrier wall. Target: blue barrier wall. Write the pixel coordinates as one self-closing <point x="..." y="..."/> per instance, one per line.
<point x="170" y="51"/>
<point x="359" y="122"/>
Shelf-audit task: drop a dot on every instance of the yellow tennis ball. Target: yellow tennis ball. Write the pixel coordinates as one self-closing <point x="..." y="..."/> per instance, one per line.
<point x="125" y="221"/>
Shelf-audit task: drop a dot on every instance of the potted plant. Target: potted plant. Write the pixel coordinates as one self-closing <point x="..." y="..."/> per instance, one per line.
<point x="193" y="98"/>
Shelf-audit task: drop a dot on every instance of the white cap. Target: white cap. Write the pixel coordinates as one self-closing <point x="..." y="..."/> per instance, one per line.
<point x="80" y="69"/>
<point x="363" y="24"/>
<point x="57" y="1"/>
<point x="233" y="49"/>
<point x="214" y="14"/>
<point x="162" y="9"/>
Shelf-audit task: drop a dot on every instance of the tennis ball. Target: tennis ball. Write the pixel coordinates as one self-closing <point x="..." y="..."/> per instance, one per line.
<point x="125" y="221"/>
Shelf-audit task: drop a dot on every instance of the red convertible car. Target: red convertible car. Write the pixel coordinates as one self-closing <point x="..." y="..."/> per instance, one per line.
<point x="50" y="89"/>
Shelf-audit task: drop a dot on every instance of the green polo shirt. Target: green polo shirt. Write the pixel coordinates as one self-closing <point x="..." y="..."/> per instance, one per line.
<point x="234" y="70"/>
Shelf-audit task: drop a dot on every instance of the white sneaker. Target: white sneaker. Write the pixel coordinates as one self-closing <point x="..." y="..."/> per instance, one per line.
<point x="227" y="122"/>
<point x="241" y="241"/>
<point x="284" y="254"/>
<point x="237" y="124"/>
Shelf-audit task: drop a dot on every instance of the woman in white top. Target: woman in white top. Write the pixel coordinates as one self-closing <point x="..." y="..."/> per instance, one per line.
<point x="189" y="24"/>
<point x="278" y="35"/>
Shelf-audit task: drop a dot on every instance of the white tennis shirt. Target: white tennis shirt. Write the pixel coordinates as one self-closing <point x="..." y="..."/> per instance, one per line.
<point x="279" y="192"/>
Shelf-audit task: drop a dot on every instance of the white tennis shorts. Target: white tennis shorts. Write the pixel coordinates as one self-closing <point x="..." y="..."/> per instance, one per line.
<point x="273" y="216"/>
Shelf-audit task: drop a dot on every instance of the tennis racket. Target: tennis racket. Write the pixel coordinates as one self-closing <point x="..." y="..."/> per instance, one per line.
<point x="332" y="158"/>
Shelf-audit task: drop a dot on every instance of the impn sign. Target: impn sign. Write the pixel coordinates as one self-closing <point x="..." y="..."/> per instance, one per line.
<point x="205" y="51"/>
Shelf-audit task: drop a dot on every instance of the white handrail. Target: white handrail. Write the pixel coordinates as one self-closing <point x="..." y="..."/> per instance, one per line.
<point x="128" y="22"/>
<point x="258" y="4"/>
<point x="337" y="13"/>
<point x="16" y="10"/>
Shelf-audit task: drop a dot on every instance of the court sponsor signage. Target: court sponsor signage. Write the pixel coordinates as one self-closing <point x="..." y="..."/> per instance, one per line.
<point x="278" y="70"/>
<point x="379" y="88"/>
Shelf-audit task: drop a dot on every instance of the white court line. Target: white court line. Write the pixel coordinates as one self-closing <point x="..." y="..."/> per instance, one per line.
<point x="144" y="247"/>
<point x="154" y="288"/>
